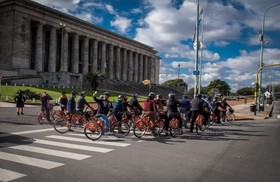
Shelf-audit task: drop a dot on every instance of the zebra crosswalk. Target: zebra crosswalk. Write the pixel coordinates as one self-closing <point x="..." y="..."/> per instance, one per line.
<point x="62" y="146"/>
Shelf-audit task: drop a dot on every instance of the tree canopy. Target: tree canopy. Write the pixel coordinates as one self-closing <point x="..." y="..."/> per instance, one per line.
<point x="245" y="91"/>
<point x="174" y="83"/>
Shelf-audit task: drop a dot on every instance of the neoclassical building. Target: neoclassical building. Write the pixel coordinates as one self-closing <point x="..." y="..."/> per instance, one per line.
<point x="46" y="46"/>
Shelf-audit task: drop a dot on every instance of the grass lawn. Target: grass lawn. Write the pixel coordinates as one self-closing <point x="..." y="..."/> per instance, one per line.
<point x="8" y="93"/>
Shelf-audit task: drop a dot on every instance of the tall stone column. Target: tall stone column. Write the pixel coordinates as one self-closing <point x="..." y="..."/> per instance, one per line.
<point x="136" y="70"/>
<point x="103" y="58"/>
<point x="146" y="68"/>
<point x="118" y="63"/>
<point x="157" y="70"/>
<point x="39" y="48"/>
<point x="152" y="70"/>
<point x="52" y="56"/>
<point x="85" y="56"/>
<point x="75" y="63"/>
<point x="95" y="56"/>
<point x="130" y="66"/>
<point x="141" y="68"/>
<point x="124" y="71"/>
<point x="64" y="54"/>
<point x="111" y="63"/>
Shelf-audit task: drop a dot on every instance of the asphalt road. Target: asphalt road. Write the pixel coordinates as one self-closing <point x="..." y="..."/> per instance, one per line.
<point x="241" y="151"/>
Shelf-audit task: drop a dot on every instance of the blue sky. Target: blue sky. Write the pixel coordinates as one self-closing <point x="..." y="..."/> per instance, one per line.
<point x="231" y="47"/>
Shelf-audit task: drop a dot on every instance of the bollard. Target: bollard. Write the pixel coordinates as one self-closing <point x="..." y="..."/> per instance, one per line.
<point x="37" y="86"/>
<point x="7" y="98"/>
<point x="15" y="84"/>
<point x="23" y="84"/>
<point x="6" y="84"/>
<point x="33" y="100"/>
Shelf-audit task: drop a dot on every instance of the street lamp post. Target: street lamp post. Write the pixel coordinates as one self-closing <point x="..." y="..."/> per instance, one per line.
<point x="196" y="51"/>
<point x="261" y="37"/>
<point x="62" y="25"/>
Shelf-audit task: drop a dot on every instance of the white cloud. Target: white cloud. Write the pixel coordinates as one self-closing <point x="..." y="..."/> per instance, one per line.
<point x="121" y="23"/>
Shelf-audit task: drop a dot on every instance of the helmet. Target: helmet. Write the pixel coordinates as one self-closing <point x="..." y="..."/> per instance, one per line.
<point x="101" y="96"/>
<point x="134" y="95"/>
<point x="199" y="96"/>
<point x="74" y="93"/>
<point x="184" y="96"/>
<point x="159" y="96"/>
<point x="83" y="93"/>
<point x="120" y="96"/>
<point x="107" y="93"/>
<point x="171" y="95"/>
<point x="151" y="94"/>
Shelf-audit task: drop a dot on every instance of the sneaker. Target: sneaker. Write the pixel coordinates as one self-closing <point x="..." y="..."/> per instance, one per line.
<point x="70" y="130"/>
<point x="22" y="113"/>
<point x="108" y="133"/>
<point x="18" y="113"/>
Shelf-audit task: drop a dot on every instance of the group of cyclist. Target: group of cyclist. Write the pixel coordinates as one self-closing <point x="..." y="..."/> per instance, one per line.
<point x="154" y="106"/>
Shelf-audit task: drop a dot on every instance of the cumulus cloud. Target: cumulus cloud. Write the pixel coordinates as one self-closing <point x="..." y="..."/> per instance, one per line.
<point x="122" y="24"/>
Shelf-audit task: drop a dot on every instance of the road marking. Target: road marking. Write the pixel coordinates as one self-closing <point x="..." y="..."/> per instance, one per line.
<point x="29" y="161"/>
<point x="25" y="132"/>
<point x="40" y="150"/>
<point x="71" y="146"/>
<point x="7" y="175"/>
<point x="84" y="140"/>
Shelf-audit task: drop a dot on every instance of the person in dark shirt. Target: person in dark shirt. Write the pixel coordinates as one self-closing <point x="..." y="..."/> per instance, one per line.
<point x="19" y="100"/>
<point x="104" y="106"/>
<point x="71" y="104"/>
<point x="63" y="101"/>
<point x="216" y="106"/>
<point x="196" y="107"/>
<point x="172" y="111"/>
<point x="134" y="103"/>
<point x="46" y="105"/>
<point x="185" y="106"/>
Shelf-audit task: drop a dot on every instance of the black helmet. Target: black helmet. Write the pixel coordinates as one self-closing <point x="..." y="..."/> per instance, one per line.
<point x="120" y="96"/>
<point x="134" y="95"/>
<point x="171" y="95"/>
<point x="184" y="96"/>
<point x="199" y="96"/>
<point x="159" y="95"/>
<point x="107" y="93"/>
<point x="74" y="93"/>
<point x="151" y="94"/>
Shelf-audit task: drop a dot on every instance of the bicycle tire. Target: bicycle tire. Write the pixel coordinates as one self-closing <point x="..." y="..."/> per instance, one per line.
<point x="120" y="129"/>
<point x="174" y="127"/>
<point x="41" y="119"/>
<point x="159" y="126"/>
<point x="57" y="114"/>
<point x="140" y="129"/>
<point x="231" y="118"/>
<point x="130" y="124"/>
<point x="93" y="130"/>
<point x="61" y="125"/>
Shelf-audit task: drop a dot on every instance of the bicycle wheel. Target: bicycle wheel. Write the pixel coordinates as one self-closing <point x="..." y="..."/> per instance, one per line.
<point x="131" y="124"/>
<point x="93" y="130"/>
<point x="158" y="126"/>
<point x="140" y="128"/>
<point x="57" y="114"/>
<point x="120" y="129"/>
<point x="61" y="125"/>
<point x="230" y="117"/>
<point x="174" y="127"/>
<point x="41" y="119"/>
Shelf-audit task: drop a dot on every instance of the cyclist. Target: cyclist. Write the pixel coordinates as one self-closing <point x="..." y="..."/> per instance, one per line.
<point x="80" y="105"/>
<point x="19" y="100"/>
<point x="71" y="104"/>
<point x="196" y="107"/>
<point x="104" y="106"/>
<point x="134" y="103"/>
<point x="63" y="101"/>
<point x="46" y="105"/>
<point x="172" y="111"/>
<point x="185" y="106"/>
<point x="150" y="109"/>
<point x="207" y="108"/>
<point x="216" y="105"/>
<point x="224" y="105"/>
<point x="160" y="103"/>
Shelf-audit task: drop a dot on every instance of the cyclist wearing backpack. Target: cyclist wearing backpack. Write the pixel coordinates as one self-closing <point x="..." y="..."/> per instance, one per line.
<point x="172" y="111"/>
<point x="185" y="106"/>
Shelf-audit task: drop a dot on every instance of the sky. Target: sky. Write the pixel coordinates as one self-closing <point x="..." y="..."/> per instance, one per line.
<point x="229" y="32"/>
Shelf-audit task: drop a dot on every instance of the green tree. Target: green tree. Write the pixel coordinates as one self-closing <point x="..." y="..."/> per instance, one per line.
<point x="221" y="86"/>
<point x="245" y="91"/>
<point x="175" y="82"/>
<point x="94" y="78"/>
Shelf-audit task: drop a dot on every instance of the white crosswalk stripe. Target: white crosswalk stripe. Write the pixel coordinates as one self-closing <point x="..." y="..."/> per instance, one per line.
<point x="31" y="161"/>
<point x="71" y="146"/>
<point x="40" y="146"/>
<point x="7" y="175"/>
<point x="85" y="140"/>
<point x="41" y="150"/>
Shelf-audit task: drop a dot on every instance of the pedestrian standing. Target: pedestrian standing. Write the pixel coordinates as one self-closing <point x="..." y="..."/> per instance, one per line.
<point x="19" y="100"/>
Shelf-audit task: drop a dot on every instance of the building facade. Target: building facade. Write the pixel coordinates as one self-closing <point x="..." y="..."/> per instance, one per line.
<point x="52" y="48"/>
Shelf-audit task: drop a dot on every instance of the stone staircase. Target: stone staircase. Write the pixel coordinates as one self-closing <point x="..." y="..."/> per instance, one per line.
<point x="129" y="88"/>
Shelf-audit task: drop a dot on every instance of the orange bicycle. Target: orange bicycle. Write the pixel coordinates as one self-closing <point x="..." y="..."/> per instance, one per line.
<point x="65" y="123"/>
<point x="94" y="129"/>
<point x="144" y="124"/>
<point x="42" y="115"/>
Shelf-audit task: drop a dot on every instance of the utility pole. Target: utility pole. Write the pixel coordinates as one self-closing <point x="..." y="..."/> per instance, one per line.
<point x="196" y="72"/>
